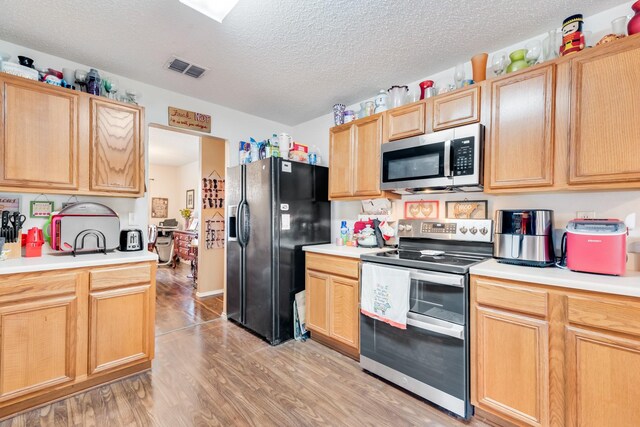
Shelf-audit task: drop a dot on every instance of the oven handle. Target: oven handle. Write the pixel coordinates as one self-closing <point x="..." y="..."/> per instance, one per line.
<point x="433" y="325"/>
<point x="435" y="278"/>
<point x="457" y="281"/>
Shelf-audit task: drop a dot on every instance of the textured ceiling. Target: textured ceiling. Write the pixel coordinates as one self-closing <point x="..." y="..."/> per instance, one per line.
<point x="172" y="148"/>
<point x="286" y="60"/>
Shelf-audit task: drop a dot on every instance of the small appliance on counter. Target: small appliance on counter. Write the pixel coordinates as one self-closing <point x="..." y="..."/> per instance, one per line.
<point x="34" y="242"/>
<point x="131" y="240"/>
<point x="85" y="227"/>
<point x="596" y="246"/>
<point x="524" y="237"/>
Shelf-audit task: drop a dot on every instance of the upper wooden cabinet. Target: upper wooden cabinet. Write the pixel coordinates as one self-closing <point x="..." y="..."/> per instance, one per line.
<point x="605" y="111"/>
<point x="406" y="121"/>
<point x="520" y="144"/>
<point x="341" y="159"/>
<point x="115" y="148"/>
<point x="456" y="109"/>
<point x="57" y="140"/>
<point x="39" y="137"/>
<point x="366" y="155"/>
<point x="354" y="158"/>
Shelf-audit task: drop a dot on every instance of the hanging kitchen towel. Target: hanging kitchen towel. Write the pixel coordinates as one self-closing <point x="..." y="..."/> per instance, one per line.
<point x="385" y="294"/>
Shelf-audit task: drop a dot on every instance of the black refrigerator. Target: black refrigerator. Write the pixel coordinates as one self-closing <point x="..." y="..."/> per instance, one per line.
<point x="274" y="208"/>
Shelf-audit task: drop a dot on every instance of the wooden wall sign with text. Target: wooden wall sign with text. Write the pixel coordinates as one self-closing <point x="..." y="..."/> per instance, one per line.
<point x="189" y="120"/>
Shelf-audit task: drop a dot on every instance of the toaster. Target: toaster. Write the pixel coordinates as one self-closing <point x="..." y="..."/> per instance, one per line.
<point x="596" y="246"/>
<point x="524" y="237"/>
<point x="85" y="227"/>
<point x="131" y="240"/>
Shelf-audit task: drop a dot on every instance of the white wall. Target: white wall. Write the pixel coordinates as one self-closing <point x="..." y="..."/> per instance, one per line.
<point x="564" y="205"/>
<point x="226" y="123"/>
<point x="189" y="179"/>
<point x="164" y="182"/>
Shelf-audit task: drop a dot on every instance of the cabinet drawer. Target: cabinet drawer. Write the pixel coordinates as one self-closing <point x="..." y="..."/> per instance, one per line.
<point x="507" y="296"/>
<point x="37" y="286"/>
<point x="120" y="276"/>
<point x="334" y="264"/>
<point x="460" y="108"/>
<point x="403" y="122"/>
<point x="613" y="315"/>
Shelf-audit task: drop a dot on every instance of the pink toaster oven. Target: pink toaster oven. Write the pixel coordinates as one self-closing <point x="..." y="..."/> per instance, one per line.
<point x="597" y="246"/>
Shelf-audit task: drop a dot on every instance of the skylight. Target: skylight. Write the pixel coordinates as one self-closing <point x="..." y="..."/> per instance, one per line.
<point x="214" y="9"/>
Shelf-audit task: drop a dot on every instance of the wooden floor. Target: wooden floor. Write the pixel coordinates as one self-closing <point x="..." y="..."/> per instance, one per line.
<point x="210" y="372"/>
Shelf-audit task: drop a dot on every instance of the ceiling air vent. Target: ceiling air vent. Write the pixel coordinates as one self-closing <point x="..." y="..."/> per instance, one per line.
<point x="185" y="67"/>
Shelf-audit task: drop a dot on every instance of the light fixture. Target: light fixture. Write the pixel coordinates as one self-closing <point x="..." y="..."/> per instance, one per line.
<point x="214" y="9"/>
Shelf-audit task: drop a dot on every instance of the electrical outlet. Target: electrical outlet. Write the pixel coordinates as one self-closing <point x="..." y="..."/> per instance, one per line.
<point x="586" y="214"/>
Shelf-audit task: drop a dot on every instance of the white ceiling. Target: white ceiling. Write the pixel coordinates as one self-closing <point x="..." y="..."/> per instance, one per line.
<point x="285" y="60"/>
<point x="171" y="148"/>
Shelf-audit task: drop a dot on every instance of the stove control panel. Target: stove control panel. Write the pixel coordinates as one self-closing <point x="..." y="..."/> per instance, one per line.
<point x="438" y="227"/>
<point x="472" y="230"/>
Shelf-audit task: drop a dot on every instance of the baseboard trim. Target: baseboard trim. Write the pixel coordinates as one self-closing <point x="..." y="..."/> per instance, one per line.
<point x="209" y="293"/>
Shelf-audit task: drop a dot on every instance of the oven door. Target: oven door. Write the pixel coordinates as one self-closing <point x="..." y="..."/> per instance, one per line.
<point x="429" y="358"/>
<point x="418" y="162"/>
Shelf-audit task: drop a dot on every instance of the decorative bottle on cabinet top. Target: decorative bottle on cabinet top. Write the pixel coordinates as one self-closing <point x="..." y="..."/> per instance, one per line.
<point x="633" y="27"/>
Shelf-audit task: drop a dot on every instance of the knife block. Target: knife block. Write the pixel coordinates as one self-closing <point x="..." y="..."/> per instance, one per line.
<point x="15" y="250"/>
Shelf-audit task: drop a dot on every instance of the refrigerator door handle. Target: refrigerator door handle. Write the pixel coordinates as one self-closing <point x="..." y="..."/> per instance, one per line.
<point x="239" y="226"/>
<point x="243" y="223"/>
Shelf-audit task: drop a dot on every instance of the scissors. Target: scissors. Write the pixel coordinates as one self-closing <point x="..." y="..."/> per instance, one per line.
<point x="17" y="221"/>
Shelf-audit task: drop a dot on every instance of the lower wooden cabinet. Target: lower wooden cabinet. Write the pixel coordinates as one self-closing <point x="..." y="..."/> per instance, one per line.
<point x="119" y="332"/>
<point x="545" y="356"/>
<point x="333" y="302"/>
<point x="344" y="295"/>
<point x="317" y="295"/>
<point x="513" y="352"/>
<point x="62" y="331"/>
<point x="37" y="344"/>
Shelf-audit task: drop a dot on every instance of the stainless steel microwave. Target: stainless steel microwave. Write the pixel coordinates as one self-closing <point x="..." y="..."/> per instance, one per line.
<point x="449" y="160"/>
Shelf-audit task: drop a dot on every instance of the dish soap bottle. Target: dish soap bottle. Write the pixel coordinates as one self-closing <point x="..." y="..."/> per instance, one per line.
<point x="344" y="232"/>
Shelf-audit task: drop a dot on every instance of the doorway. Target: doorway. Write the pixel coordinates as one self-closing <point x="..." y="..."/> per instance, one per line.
<point x="186" y="206"/>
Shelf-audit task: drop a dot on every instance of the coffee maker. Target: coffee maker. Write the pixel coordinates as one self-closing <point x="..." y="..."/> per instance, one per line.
<point x="524" y="237"/>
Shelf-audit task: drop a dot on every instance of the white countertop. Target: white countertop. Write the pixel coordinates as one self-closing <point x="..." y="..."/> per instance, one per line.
<point x="58" y="261"/>
<point x="628" y="285"/>
<point x="345" y="251"/>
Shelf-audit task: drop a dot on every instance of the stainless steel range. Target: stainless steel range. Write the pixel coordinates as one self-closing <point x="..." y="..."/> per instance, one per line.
<point x="431" y="357"/>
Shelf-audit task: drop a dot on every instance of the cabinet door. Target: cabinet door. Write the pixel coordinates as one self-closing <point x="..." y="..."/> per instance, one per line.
<point x="344" y="317"/>
<point x="120" y="327"/>
<point x="403" y="122"/>
<point x="602" y="379"/>
<point x="366" y="156"/>
<point x="317" y="296"/>
<point x="459" y="108"/>
<point x="510" y="360"/>
<point x="39" y="146"/>
<point x="116" y="148"/>
<point x="521" y="138"/>
<point x="605" y="108"/>
<point x="37" y="345"/>
<point x="341" y="162"/>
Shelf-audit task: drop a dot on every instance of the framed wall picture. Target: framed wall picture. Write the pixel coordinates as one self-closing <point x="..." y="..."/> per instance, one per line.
<point x="190" y="199"/>
<point x="421" y="209"/>
<point x="40" y="209"/>
<point x="9" y="202"/>
<point x="467" y="209"/>
<point x="159" y="207"/>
